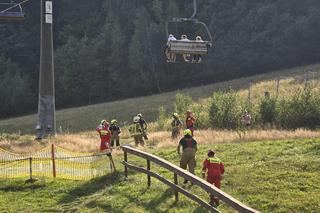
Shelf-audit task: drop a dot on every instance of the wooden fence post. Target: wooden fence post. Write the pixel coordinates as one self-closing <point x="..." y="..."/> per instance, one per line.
<point x="148" y="168"/>
<point x="30" y="167"/>
<point x="176" y="194"/>
<point x="125" y="156"/>
<point x="53" y="161"/>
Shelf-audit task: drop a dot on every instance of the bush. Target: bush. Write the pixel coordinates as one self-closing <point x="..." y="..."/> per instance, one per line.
<point x="182" y="103"/>
<point x="225" y="110"/>
<point x="302" y="110"/>
<point x="268" y="110"/>
<point x="162" y="118"/>
<point x="201" y="112"/>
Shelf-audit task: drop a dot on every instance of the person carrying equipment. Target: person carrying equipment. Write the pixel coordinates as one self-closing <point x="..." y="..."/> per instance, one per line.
<point x="136" y="132"/>
<point x="115" y="132"/>
<point x="190" y="121"/>
<point x="214" y="168"/>
<point x="105" y="135"/>
<point x="143" y="125"/>
<point x="189" y="149"/>
<point x="176" y="126"/>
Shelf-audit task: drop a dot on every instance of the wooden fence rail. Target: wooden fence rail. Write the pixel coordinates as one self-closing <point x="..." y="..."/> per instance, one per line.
<point x="177" y="171"/>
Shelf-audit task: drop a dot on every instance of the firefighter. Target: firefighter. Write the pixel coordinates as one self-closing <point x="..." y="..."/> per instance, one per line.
<point x="105" y="135"/>
<point x="136" y="131"/>
<point x="143" y="125"/>
<point x="214" y="169"/>
<point x="176" y="126"/>
<point x="103" y="130"/>
<point x="189" y="149"/>
<point x="115" y="132"/>
<point x="190" y="121"/>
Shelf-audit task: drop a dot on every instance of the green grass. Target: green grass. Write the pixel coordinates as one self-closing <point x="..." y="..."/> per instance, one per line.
<point x="86" y="117"/>
<point x="271" y="176"/>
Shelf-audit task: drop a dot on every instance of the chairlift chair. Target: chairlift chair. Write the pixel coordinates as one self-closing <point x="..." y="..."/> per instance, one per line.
<point x="12" y="15"/>
<point x="191" y="47"/>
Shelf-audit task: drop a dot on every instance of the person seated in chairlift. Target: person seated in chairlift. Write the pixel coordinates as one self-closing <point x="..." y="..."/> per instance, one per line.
<point x="196" y="57"/>
<point x="171" y="57"/>
<point x="185" y="38"/>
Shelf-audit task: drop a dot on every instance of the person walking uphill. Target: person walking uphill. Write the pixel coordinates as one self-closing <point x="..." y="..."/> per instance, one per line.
<point x="136" y="132"/>
<point x="190" y="121"/>
<point x="143" y="125"/>
<point x="176" y="126"/>
<point x="189" y="149"/>
<point x="115" y="132"/>
<point x="214" y="168"/>
<point x="105" y="135"/>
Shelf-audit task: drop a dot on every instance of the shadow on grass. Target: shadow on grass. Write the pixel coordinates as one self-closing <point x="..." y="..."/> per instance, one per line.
<point x="20" y="186"/>
<point x="92" y="187"/>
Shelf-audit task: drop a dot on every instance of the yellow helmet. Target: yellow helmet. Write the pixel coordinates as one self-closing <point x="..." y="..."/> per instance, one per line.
<point x="187" y="132"/>
<point x="113" y="121"/>
<point x="175" y="115"/>
<point x="103" y="121"/>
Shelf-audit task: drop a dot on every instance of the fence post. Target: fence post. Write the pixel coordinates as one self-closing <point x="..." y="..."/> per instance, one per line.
<point x="126" y="160"/>
<point x="30" y="168"/>
<point x="53" y="161"/>
<point x="148" y="168"/>
<point x="176" y="194"/>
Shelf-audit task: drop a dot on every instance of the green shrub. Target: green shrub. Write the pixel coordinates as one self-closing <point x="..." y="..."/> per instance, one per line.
<point x="302" y="110"/>
<point x="182" y="103"/>
<point x="201" y="113"/>
<point x="225" y="110"/>
<point x="268" y="110"/>
<point x="162" y="118"/>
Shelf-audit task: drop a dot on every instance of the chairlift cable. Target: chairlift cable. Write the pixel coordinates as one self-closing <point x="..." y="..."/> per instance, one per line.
<point x="194" y="9"/>
<point x="15" y="5"/>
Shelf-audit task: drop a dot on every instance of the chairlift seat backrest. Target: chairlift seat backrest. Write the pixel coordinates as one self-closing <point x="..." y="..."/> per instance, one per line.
<point x="12" y="15"/>
<point x="189" y="47"/>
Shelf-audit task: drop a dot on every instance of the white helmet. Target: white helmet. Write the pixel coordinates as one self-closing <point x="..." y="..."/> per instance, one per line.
<point x="136" y="119"/>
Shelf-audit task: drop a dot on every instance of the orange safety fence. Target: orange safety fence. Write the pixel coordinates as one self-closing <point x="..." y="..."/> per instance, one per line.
<point x="53" y="161"/>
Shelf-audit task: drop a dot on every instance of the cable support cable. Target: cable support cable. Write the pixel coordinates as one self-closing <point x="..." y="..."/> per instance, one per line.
<point x="15" y="5"/>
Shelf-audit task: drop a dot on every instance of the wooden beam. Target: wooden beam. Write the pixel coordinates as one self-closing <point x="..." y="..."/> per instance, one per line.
<point x="229" y="200"/>
<point x="172" y="185"/>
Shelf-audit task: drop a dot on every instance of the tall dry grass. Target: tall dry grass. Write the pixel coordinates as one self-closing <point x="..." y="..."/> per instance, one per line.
<point x="89" y="141"/>
<point x="163" y="140"/>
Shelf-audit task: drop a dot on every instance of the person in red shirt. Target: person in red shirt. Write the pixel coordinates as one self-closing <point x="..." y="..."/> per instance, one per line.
<point x="105" y="136"/>
<point x="214" y="168"/>
<point x="190" y="121"/>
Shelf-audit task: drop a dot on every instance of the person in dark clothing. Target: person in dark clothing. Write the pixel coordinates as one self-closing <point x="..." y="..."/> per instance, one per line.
<point x="189" y="149"/>
<point x="144" y="126"/>
<point x="176" y="126"/>
<point x="115" y="132"/>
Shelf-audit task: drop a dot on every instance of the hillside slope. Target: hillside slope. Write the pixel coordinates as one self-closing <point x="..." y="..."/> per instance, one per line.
<point x="271" y="176"/>
<point x="87" y="117"/>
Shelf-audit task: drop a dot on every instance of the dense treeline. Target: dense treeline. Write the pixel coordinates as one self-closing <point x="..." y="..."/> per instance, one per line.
<point x="112" y="49"/>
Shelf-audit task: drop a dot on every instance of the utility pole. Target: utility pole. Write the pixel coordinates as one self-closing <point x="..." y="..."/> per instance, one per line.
<point x="46" y="125"/>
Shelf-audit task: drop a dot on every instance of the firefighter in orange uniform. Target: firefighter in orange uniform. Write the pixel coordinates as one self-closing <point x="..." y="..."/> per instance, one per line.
<point x="214" y="168"/>
<point x="105" y="136"/>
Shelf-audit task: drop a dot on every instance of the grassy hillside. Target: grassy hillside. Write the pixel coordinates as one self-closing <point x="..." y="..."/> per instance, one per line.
<point x="87" y="117"/>
<point x="271" y="176"/>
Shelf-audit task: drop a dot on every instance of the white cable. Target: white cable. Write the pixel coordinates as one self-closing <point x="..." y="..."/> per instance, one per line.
<point x="16" y="5"/>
